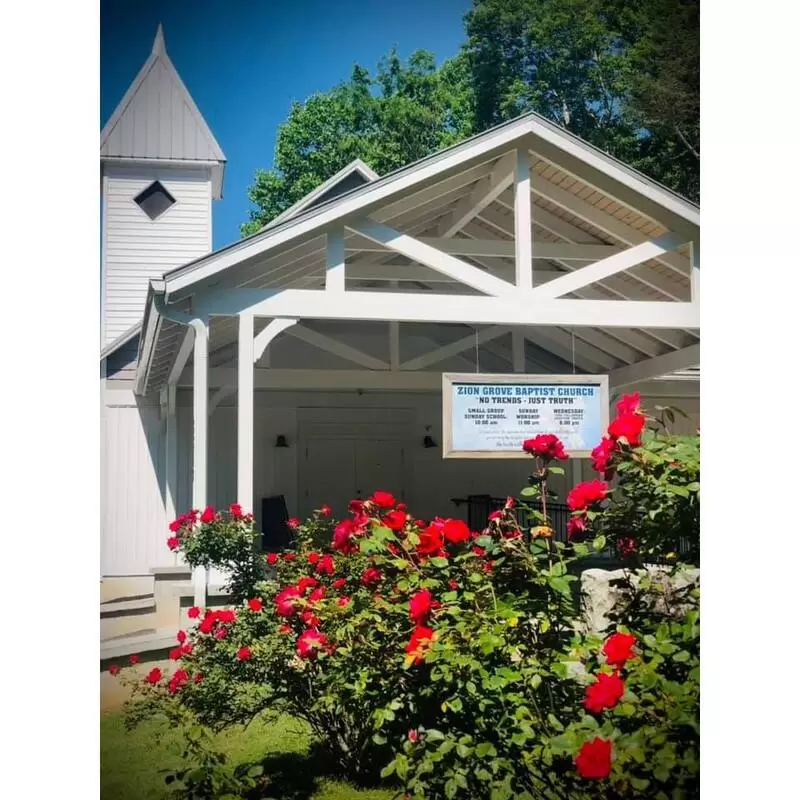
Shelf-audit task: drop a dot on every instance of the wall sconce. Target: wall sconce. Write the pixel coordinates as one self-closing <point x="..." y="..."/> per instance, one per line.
<point x="281" y="441"/>
<point x="428" y="441"/>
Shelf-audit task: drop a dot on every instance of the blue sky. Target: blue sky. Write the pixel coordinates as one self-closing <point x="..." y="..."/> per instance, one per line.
<point x="245" y="61"/>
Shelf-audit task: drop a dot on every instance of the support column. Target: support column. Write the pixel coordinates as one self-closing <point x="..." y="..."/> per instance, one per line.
<point x="244" y="450"/>
<point x="171" y="456"/>
<point x="523" y="244"/>
<point x="694" y="255"/>
<point x="200" y="453"/>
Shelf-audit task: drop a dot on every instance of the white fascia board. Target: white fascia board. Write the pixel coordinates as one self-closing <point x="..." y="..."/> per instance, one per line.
<point x="655" y="367"/>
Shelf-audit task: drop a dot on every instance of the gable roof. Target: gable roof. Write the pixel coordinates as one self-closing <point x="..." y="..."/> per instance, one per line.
<point x="157" y="120"/>
<point x="355" y="174"/>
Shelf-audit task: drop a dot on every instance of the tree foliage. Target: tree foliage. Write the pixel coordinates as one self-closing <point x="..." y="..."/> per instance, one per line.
<point x="623" y="76"/>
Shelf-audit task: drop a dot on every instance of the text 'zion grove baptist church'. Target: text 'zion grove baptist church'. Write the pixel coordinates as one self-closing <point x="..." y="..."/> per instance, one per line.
<point x="509" y="391"/>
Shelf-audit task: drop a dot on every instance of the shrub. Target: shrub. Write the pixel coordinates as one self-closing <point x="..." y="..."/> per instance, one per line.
<point x="451" y="660"/>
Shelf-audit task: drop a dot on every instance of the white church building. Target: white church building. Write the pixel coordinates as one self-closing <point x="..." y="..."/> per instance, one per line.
<point x="303" y="365"/>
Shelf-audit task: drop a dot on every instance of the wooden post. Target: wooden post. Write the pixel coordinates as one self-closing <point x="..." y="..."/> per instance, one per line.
<point x="522" y="223"/>
<point x="244" y="450"/>
<point x="200" y="454"/>
<point x="171" y="457"/>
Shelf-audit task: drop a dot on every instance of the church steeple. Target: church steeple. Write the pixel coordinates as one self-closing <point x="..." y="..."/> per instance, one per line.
<point x="157" y="120"/>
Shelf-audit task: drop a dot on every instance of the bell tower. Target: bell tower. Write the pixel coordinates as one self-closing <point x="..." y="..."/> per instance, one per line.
<point x="161" y="169"/>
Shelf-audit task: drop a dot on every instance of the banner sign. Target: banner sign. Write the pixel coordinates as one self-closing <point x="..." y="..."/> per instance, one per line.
<point x="489" y="416"/>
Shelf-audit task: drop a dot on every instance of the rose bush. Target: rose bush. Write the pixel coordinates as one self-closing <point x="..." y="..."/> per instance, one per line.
<point x="451" y="661"/>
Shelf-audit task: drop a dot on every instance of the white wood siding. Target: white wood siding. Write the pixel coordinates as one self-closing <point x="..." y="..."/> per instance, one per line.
<point x="138" y="249"/>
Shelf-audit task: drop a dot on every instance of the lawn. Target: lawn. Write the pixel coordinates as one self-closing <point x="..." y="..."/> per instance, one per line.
<point x="130" y="762"/>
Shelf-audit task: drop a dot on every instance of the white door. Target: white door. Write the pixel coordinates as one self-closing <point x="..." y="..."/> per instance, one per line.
<point x="379" y="465"/>
<point x="330" y="472"/>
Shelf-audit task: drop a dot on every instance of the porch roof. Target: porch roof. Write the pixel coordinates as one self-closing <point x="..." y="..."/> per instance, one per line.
<point x="586" y="208"/>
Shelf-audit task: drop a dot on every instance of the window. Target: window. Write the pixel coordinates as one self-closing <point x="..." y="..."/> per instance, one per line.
<point x="154" y="200"/>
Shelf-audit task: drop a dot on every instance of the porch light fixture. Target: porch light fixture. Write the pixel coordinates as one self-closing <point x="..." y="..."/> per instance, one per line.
<point x="281" y="441"/>
<point x="428" y="441"/>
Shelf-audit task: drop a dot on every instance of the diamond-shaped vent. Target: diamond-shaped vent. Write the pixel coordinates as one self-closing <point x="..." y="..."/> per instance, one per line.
<point x="154" y="200"/>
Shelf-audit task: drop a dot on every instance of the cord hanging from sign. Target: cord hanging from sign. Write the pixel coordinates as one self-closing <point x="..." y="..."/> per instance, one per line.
<point x="477" y="353"/>
<point x="572" y="331"/>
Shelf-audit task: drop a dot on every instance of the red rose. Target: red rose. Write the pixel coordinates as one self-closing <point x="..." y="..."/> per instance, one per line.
<point x="602" y="455"/>
<point x="395" y="520"/>
<point x="594" y="759"/>
<point x="180" y="677"/>
<point x="310" y="642"/>
<point x="134" y="659"/>
<point x="326" y="511"/>
<point x="628" y="404"/>
<point x="236" y="510"/>
<point x="187" y="649"/>
<point x="413" y="735"/>
<point x="618" y="648"/>
<point x="226" y="615"/>
<point x="546" y="446"/>
<point x="355" y="506"/>
<point x="605" y="693"/>
<point x="430" y="540"/>
<point x="577" y="526"/>
<point x="154" y="676"/>
<point x="339" y="583"/>
<point x="317" y="595"/>
<point x="255" y="603"/>
<point x="284" y="629"/>
<point x="455" y="531"/>
<point x="293" y="522"/>
<point x="420" y="643"/>
<point x="312" y="558"/>
<point x="181" y="637"/>
<point x="325" y="565"/>
<point x="343" y="601"/>
<point x="343" y="537"/>
<point x="176" y="653"/>
<point x="306" y="582"/>
<point x="194" y="612"/>
<point x="586" y="494"/>
<point x="175" y="525"/>
<point x="419" y="606"/>
<point x="310" y="619"/>
<point x="402" y="507"/>
<point x="208" y="515"/>
<point x="198" y="678"/>
<point x="371" y="576"/>
<point x="272" y="558"/>
<point x="289" y="556"/>
<point x="221" y="633"/>
<point x="173" y="542"/>
<point x="114" y="669"/>
<point x="479" y="551"/>
<point x="626" y="547"/>
<point x="286" y="601"/>
<point x="383" y="499"/>
<point x="488" y="566"/>
<point x="453" y="585"/>
<point x="629" y="427"/>
<point x="244" y="654"/>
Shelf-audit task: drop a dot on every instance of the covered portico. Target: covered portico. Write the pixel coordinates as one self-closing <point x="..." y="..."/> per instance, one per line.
<point x="522" y="249"/>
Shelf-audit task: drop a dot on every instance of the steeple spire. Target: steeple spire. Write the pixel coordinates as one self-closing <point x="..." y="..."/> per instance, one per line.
<point x="158" y="45"/>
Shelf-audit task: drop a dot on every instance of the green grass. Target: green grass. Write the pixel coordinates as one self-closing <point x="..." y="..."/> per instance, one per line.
<point x="130" y="761"/>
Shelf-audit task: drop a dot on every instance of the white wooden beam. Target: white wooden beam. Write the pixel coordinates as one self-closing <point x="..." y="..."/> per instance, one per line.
<point x="183" y="355"/>
<point x="394" y="345"/>
<point x="516" y="309"/>
<point x="571" y="349"/>
<point x="523" y="253"/>
<point x="376" y="271"/>
<point x="171" y="456"/>
<point x="244" y="428"/>
<point x="694" y="260"/>
<point x="334" y="260"/>
<point x="422" y="253"/>
<point x="655" y="367"/>
<point x="337" y="348"/>
<point x="200" y="450"/>
<point x="499" y="248"/>
<point x="335" y="379"/>
<point x="609" y="266"/>
<point x="453" y="348"/>
<point x="484" y="193"/>
<point x="224" y="391"/>
<point x="275" y="327"/>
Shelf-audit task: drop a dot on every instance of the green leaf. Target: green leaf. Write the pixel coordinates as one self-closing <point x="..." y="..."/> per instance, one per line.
<point x="463" y="751"/>
<point x="255" y="771"/>
<point x="439" y="562"/>
<point x="556" y="470"/>
<point x="401" y="766"/>
<point x="388" y="770"/>
<point x="599" y="543"/>
<point x="640" y="784"/>
<point x="485" y="749"/>
<point x="450" y="788"/>
<point x="530" y="491"/>
<point x="553" y="720"/>
<point x="432" y="735"/>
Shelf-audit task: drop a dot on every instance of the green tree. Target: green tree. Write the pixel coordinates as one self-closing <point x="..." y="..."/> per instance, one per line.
<point x="399" y="115"/>
<point x="624" y="76"/>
